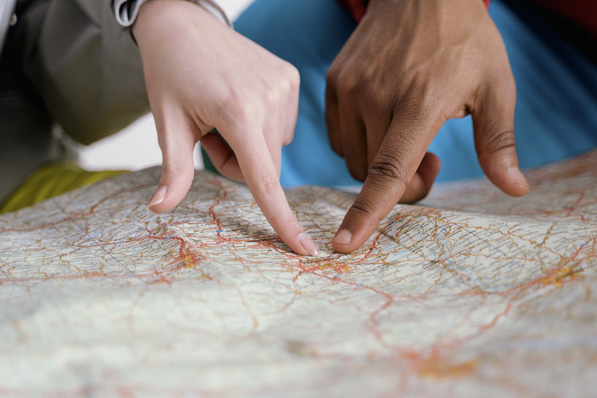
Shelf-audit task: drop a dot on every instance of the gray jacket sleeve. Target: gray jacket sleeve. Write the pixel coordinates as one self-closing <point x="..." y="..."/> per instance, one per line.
<point x="126" y="10"/>
<point x="87" y="67"/>
<point x="6" y="9"/>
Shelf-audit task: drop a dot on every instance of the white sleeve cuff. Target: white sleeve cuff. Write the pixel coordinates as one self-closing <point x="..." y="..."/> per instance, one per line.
<point x="126" y="10"/>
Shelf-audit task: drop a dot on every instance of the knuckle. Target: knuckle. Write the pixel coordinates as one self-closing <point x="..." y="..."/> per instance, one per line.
<point x="236" y="104"/>
<point x="368" y="206"/>
<point x="373" y="96"/>
<point x="420" y="98"/>
<point x="269" y="184"/>
<point x="347" y="84"/>
<point x="364" y="83"/>
<point x="332" y="76"/>
<point x="287" y="81"/>
<point x="171" y="170"/>
<point x="500" y="141"/>
<point x="286" y="85"/>
<point x="364" y="204"/>
<point x="175" y="172"/>
<point x="388" y="169"/>
<point x="293" y="77"/>
<point x="273" y="93"/>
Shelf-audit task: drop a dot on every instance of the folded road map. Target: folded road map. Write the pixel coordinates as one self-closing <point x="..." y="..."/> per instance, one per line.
<point x="469" y="293"/>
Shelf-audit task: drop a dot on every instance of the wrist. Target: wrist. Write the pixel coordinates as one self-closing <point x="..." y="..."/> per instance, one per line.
<point x="148" y="15"/>
<point x="126" y="11"/>
<point x="157" y="15"/>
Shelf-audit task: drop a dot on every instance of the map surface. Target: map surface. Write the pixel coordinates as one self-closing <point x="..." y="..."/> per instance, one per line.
<point x="469" y="293"/>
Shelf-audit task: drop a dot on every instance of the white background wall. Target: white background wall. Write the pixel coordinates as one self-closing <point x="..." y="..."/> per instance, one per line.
<point x="136" y="147"/>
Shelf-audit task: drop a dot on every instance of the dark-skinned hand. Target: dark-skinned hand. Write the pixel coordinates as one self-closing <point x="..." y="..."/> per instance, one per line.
<point x="409" y="66"/>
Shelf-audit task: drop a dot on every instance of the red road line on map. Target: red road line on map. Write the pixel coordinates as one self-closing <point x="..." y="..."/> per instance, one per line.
<point x="496" y="318"/>
<point x="216" y="202"/>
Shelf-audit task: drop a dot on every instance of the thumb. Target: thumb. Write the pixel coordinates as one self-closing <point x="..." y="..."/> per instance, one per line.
<point x="177" y="143"/>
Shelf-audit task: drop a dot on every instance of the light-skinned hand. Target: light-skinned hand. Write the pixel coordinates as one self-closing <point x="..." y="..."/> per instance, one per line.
<point x="202" y="75"/>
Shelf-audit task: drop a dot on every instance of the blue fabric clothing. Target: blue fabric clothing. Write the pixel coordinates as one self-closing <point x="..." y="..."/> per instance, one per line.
<point x="556" y="110"/>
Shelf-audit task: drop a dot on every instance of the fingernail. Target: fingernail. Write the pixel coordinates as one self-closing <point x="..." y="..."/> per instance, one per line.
<point x="343" y="237"/>
<point x="308" y="244"/>
<point x="158" y="196"/>
<point x="517" y="177"/>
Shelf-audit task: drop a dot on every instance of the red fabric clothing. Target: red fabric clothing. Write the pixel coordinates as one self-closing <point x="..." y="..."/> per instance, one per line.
<point x="582" y="13"/>
<point x="357" y="8"/>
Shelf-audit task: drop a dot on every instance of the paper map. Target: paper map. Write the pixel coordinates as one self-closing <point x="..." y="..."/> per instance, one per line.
<point x="467" y="294"/>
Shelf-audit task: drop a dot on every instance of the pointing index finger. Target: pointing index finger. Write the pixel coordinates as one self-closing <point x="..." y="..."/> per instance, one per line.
<point x="387" y="178"/>
<point x="262" y="179"/>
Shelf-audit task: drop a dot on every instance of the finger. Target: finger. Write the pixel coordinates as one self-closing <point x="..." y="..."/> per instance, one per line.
<point x="377" y="126"/>
<point x="222" y="156"/>
<point x="493" y="124"/>
<point x="421" y="183"/>
<point x="388" y="176"/>
<point x="354" y="140"/>
<point x="283" y="111"/>
<point x="260" y="175"/>
<point x="291" y="113"/>
<point x="275" y="152"/>
<point x="274" y="138"/>
<point x="282" y="107"/>
<point x="177" y="143"/>
<point x="332" y="117"/>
